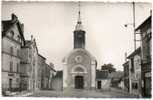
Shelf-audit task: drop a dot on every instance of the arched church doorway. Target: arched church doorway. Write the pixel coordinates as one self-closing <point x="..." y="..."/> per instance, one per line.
<point x="79" y="82"/>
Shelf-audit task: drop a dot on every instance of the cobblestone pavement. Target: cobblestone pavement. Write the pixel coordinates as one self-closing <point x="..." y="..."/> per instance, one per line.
<point x="84" y="94"/>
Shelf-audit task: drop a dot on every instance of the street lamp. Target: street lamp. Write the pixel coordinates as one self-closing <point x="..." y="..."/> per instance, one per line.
<point x="126" y="25"/>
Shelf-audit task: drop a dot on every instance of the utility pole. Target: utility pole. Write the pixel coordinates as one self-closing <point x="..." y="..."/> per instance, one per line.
<point x="134" y="25"/>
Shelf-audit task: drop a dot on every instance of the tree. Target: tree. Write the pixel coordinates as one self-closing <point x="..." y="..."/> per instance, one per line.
<point x="109" y="67"/>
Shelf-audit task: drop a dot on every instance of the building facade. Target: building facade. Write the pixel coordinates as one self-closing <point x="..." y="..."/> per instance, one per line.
<point x="103" y="81"/>
<point x="79" y="66"/>
<point x="47" y="74"/>
<point x="116" y="78"/>
<point x="12" y="41"/>
<point x="57" y="81"/>
<point x="29" y="64"/>
<point x="145" y="31"/>
<point x="41" y="64"/>
<point x="23" y="68"/>
<point x="126" y="76"/>
<point x="135" y="72"/>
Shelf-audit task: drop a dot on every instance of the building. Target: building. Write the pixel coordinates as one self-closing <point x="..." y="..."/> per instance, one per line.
<point x="79" y="66"/>
<point x="47" y="74"/>
<point x="103" y="81"/>
<point x="57" y="81"/>
<point x="52" y="74"/>
<point x="29" y="64"/>
<point x="116" y="78"/>
<point x="146" y="47"/>
<point x="126" y="76"/>
<point x="12" y="41"/>
<point x="135" y="72"/>
<point x="41" y="65"/>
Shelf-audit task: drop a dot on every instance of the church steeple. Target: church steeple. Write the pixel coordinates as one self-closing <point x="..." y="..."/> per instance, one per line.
<point x="79" y="33"/>
<point x="79" y="23"/>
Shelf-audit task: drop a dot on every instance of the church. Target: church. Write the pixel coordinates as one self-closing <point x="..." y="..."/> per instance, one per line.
<point x="79" y="66"/>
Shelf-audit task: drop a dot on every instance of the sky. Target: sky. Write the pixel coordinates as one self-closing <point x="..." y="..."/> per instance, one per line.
<point x="52" y="25"/>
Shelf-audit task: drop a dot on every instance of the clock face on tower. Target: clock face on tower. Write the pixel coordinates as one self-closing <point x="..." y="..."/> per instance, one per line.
<point x="78" y="59"/>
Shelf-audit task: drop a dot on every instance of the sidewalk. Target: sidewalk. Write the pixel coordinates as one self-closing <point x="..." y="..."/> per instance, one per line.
<point x="23" y="94"/>
<point x="123" y="92"/>
<point x="118" y="90"/>
<point x="19" y="94"/>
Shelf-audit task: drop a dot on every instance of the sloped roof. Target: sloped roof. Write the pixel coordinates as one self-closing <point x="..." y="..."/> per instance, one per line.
<point x="28" y="43"/>
<point x="148" y="20"/>
<point x="41" y="56"/>
<point x="117" y="75"/>
<point x="137" y="51"/>
<point x="102" y="74"/>
<point x="51" y="68"/>
<point x="7" y="24"/>
<point x="126" y="64"/>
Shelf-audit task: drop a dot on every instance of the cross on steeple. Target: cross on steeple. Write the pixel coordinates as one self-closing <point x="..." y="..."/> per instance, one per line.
<point x="79" y="14"/>
<point x="79" y="23"/>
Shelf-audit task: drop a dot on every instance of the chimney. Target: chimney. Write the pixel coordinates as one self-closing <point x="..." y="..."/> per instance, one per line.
<point x="14" y="17"/>
<point x="22" y="27"/>
<point x="125" y="56"/>
<point x="31" y="37"/>
<point x="51" y="65"/>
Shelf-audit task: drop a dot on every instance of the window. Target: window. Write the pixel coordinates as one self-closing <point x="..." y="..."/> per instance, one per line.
<point x="17" y="80"/>
<point x="12" y="34"/>
<point x="18" y="38"/>
<point x="17" y="69"/>
<point x="18" y="53"/>
<point x="134" y="85"/>
<point x="11" y="66"/>
<point x="11" y="50"/>
<point x="33" y="62"/>
<point x="10" y="84"/>
<point x="30" y="55"/>
<point x="132" y="65"/>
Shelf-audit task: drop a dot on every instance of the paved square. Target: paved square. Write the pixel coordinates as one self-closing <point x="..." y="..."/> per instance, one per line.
<point x="113" y="93"/>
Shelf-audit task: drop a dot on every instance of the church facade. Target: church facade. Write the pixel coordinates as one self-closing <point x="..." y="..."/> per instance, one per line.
<point x="79" y="66"/>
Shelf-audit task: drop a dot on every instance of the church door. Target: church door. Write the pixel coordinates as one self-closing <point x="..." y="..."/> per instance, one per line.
<point x="79" y="82"/>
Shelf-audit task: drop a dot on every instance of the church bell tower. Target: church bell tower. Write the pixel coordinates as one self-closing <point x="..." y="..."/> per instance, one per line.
<point x="79" y="34"/>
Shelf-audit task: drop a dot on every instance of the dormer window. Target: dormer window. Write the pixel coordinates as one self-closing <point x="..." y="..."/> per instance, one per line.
<point x="18" y="38"/>
<point x="11" y="50"/>
<point x="12" y="34"/>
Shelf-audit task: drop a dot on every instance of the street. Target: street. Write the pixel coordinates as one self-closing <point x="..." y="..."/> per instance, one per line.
<point x="113" y="93"/>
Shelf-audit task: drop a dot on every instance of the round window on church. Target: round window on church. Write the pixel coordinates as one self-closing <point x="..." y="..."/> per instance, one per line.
<point x="78" y="59"/>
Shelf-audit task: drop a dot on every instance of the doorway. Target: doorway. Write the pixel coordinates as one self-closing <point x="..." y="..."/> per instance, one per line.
<point x="10" y="84"/>
<point x="79" y="82"/>
<point x="99" y="84"/>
